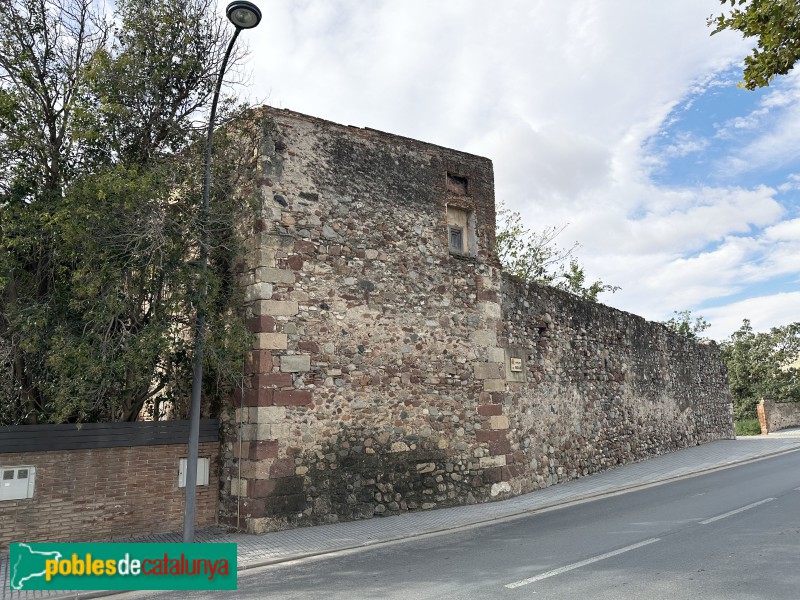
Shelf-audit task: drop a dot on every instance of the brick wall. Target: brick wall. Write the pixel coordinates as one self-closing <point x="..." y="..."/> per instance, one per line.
<point x="105" y="493"/>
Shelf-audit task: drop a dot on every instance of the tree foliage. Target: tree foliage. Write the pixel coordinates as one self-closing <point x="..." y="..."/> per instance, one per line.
<point x="683" y="324"/>
<point x="535" y="256"/>
<point x="776" y="25"/>
<point x="762" y="365"/>
<point x="99" y="196"/>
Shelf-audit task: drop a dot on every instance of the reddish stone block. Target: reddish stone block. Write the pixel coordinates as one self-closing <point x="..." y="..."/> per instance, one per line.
<point x="265" y="397"/>
<point x="487" y="296"/>
<point x="304" y="247"/>
<point x="490" y="410"/>
<point x="498" y="447"/>
<point x="489" y="435"/>
<point x="309" y="347"/>
<point x="295" y="262"/>
<point x="283" y="467"/>
<point x="260" y="449"/>
<point x="258" y="381"/>
<point x="276" y="379"/>
<point x="335" y="250"/>
<point x="262" y="324"/>
<point x="258" y="397"/>
<point x="260" y="488"/>
<point x="259" y="226"/>
<point x="292" y="397"/>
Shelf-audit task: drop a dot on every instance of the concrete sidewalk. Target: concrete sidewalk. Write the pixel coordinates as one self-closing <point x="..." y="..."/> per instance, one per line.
<point x="282" y="546"/>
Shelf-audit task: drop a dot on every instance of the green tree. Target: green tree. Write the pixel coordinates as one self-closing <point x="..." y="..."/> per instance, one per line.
<point x="776" y="25"/>
<point x="99" y="196"/>
<point x="683" y="324"/>
<point x="535" y="256"/>
<point x="762" y="365"/>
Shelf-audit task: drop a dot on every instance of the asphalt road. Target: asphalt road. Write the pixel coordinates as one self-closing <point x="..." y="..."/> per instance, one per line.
<point x="730" y="534"/>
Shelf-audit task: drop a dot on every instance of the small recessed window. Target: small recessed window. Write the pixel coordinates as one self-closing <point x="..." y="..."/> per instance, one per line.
<point x="457" y="240"/>
<point x="457" y="184"/>
<point x="8" y="475"/>
<point x="22" y="474"/>
<point x="461" y="231"/>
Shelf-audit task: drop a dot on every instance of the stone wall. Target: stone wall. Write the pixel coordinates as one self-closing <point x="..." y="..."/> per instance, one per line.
<point x="394" y="367"/>
<point x="601" y="387"/>
<point x="773" y="416"/>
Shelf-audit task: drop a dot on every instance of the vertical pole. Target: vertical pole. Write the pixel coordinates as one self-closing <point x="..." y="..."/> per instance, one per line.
<point x="190" y="503"/>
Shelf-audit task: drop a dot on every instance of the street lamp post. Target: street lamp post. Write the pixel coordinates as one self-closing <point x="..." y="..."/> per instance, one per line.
<point x="243" y="15"/>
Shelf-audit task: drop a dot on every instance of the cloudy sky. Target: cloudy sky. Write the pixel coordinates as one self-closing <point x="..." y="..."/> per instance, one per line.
<point x="621" y="118"/>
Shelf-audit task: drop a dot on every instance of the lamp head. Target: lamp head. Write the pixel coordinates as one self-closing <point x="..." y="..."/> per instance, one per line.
<point x="243" y="14"/>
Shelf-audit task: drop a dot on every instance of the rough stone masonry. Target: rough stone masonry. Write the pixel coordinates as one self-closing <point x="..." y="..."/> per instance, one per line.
<point x="396" y="368"/>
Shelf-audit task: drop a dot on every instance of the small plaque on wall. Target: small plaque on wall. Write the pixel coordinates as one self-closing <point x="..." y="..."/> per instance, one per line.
<point x="515" y="364"/>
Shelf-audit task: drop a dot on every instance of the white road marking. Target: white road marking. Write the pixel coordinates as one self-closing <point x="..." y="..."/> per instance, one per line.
<point x="580" y="564"/>
<point x="738" y="510"/>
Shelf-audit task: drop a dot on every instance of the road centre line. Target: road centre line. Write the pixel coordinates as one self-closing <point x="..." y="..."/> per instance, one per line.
<point x="580" y="564"/>
<point x="738" y="510"/>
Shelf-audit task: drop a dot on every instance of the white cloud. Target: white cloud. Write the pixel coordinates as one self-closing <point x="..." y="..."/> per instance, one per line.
<point x="751" y="121"/>
<point x="563" y="97"/>
<point x="792" y="183"/>
<point x="787" y="230"/>
<point x="773" y="127"/>
<point x="685" y="143"/>
<point x="764" y="313"/>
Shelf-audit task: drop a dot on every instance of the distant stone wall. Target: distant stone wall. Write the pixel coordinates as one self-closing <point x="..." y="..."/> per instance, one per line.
<point x="774" y="416"/>
<point x="384" y="371"/>
<point x="601" y="387"/>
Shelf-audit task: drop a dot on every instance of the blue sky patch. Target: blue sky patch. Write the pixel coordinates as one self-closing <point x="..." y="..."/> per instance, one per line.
<point x="706" y="129"/>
